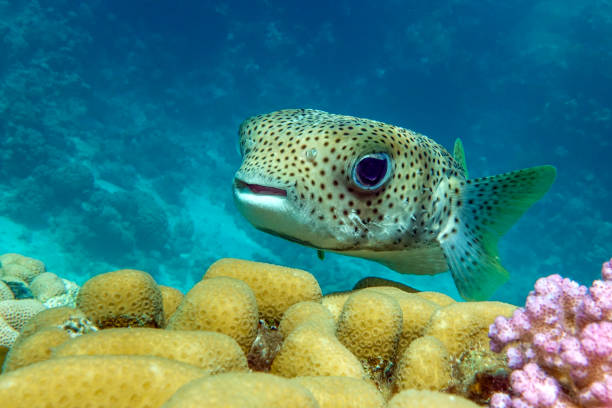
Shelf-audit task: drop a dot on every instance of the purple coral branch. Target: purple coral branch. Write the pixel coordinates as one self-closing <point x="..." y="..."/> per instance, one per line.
<point x="559" y="345"/>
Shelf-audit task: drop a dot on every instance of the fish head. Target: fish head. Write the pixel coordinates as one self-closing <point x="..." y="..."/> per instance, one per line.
<point x="335" y="182"/>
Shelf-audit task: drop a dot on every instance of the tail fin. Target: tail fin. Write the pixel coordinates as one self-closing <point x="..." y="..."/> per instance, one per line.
<point x="485" y="209"/>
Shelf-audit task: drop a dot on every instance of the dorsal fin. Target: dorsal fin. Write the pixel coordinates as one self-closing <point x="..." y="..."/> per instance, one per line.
<point x="459" y="155"/>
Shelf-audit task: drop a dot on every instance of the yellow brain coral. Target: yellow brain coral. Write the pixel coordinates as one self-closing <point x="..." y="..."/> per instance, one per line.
<point x="256" y="390"/>
<point x="312" y="312"/>
<point x="43" y="332"/>
<point x="17" y="312"/>
<point x="96" y="381"/>
<point x="8" y="335"/>
<point x="122" y="298"/>
<point x="3" y="352"/>
<point x="308" y="351"/>
<point x="334" y="302"/>
<point x="416" y="312"/>
<point x="34" y="348"/>
<point x="53" y="317"/>
<point x="436" y="297"/>
<point x="370" y="325"/>
<point x="224" y="305"/>
<point x="47" y="285"/>
<point x="463" y="325"/>
<point x="425" y="364"/>
<point x="171" y="298"/>
<point x="211" y="351"/>
<point x="342" y="392"/>
<point x="5" y="292"/>
<point x="20" y="267"/>
<point x="428" y="399"/>
<point x="276" y="287"/>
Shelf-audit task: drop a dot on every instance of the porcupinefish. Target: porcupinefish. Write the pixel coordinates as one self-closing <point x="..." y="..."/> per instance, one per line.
<point x="372" y="190"/>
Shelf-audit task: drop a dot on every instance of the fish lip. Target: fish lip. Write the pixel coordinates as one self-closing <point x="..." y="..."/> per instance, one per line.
<point x="258" y="189"/>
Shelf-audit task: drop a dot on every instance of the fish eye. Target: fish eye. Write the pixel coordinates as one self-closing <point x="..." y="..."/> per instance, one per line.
<point x="371" y="171"/>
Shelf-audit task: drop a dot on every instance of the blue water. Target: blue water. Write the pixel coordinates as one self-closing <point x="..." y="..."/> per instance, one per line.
<point x="118" y="122"/>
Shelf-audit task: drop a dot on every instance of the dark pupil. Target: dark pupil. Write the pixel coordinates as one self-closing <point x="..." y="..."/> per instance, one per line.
<point x="371" y="170"/>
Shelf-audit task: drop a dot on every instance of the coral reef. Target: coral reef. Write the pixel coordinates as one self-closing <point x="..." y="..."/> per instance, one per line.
<point x="416" y="312"/>
<point x="26" y="288"/>
<point x="34" y="348"/>
<point x="342" y="392"/>
<point x="45" y="330"/>
<point x="171" y="299"/>
<point x="106" y="381"/>
<point x="303" y="312"/>
<point x="427" y="399"/>
<point x="213" y="352"/>
<point x="8" y="335"/>
<point x="464" y="325"/>
<point x="5" y="292"/>
<point x="139" y="303"/>
<point x="370" y="326"/>
<point x="17" y="312"/>
<point x="378" y="346"/>
<point x="334" y="303"/>
<point x="287" y="285"/>
<point x="424" y="365"/>
<point x="20" y="267"/>
<point x="242" y="390"/>
<point x="310" y="351"/>
<point x="436" y="297"/>
<point x="47" y="285"/>
<point x="559" y="345"/>
<point x="224" y="305"/>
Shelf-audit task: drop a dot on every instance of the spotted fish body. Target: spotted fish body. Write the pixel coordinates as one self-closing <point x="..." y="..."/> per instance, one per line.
<point x="368" y="189"/>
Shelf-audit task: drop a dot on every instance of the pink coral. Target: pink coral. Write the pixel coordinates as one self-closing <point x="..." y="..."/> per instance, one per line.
<point x="559" y="345"/>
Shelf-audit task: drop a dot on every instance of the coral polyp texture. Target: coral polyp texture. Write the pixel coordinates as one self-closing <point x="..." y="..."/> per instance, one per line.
<point x="213" y="352"/>
<point x="15" y="266"/>
<point x="428" y="399"/>
<point x="424" y="365"/>
<point x="137" y="303"/>
<point x="370" y="325"/>
<point x="171" y="299"/>
<point x="275" y="287"/>
<point x="308" y="351"/>
<point x="259" y="335"/>
<point x="224" y="305"/>
<point x="307" y="312"/>
<point x="559" y="345"/>
<point x="101" y="381"/>
<point x="242" y="391"/>
<point x="5" y="292"/>
<point x="344" y="392"/>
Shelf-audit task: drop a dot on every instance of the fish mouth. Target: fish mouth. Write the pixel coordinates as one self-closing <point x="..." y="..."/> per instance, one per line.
<point x="259" y="188"/>
<point x="266" y="207"/>
<point x="273" y="210"/>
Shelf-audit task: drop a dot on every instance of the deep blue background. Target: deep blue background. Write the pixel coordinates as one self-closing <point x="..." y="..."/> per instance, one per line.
<point x="118" y="122"/>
